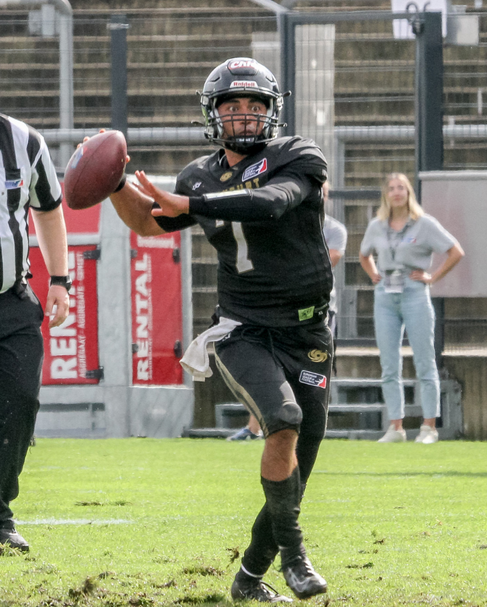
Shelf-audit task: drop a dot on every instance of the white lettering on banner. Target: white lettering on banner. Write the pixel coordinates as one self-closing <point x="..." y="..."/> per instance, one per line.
<point x="143" y="369"/>
<point x="81" y="296"/>
<point x="82" y="355"/>
<point x="142" y="326"/>
<point x="141" y="304"/>
<point x="64" y="362"/>
<point x="141" y="284"/>
<point x="142" y="265"/>
<point x="143" y="351"/>
<point x="143" y="319"/>
<point x="64" y="369"/>
<point x="63" y="347"/>
<point x="67" y="329"/>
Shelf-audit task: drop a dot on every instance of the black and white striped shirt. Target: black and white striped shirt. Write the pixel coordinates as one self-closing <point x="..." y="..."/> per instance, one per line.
<point x="27" y="178"/>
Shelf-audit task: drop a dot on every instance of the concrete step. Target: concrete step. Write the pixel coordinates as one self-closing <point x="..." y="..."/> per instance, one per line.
<point x="349" y="419"/>
<point x="209" y="433"/>
<point x="225" y="412"/>
<point x="355" y="434"/>
<point x="372" y="435"/>
<point x="102" y="7"/>
<point x="99" y="9"/>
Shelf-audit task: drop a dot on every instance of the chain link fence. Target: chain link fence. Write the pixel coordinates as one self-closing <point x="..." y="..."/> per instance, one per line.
<point x="355" y="95"/>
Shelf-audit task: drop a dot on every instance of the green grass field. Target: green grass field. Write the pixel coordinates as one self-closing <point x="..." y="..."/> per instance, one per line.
<point x="142" y="522"/>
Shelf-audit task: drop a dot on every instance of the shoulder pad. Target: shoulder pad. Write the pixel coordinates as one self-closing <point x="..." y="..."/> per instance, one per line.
<point x="189" y="174"/>
<point x="303" y="153"/>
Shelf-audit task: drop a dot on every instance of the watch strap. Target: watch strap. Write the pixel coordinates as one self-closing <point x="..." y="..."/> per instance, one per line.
<point x="62" y="281"/>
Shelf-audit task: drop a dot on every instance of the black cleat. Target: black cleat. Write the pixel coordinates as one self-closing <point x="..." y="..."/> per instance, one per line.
<point x="303" y="579"/>
<point x="10" y="537"/>
<point x="245" y="588"/>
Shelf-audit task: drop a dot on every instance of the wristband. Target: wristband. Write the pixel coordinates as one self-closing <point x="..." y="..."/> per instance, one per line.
<point x="62" y="281"/>
<point x="122" y="183"/>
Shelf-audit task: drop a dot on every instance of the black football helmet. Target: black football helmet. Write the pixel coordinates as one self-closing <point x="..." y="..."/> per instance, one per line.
<point x="241" y="77"/>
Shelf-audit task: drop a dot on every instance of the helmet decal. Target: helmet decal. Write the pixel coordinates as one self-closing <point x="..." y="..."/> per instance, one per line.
<point x="244" y="84"/>
<point x="243" y="64"/>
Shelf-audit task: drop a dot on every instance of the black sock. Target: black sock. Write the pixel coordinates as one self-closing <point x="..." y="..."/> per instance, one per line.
<point x="282" y="500"/>
<point x="263" y="548"/>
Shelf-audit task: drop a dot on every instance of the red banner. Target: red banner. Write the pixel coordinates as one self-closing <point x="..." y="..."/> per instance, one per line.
<point x="157" y="319"/>
<point x="71" y="350"/>
<point x="86" y="221"/>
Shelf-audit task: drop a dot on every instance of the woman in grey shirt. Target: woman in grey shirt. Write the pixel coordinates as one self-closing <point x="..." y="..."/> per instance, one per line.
<point x="404" y="239"/>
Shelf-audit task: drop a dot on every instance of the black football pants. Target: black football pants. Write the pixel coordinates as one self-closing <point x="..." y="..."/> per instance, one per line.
<point x="282" y="377"/>
<point x="21" y="354"/>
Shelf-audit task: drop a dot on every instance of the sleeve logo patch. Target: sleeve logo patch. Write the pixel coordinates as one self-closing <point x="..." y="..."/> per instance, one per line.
<point x="312" y="379"/>
<point x="13" y="184"/>
<point x="255" y="169"/>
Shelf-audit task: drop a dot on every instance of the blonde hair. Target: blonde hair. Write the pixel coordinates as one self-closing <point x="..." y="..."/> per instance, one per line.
<point x="414" y="208"/>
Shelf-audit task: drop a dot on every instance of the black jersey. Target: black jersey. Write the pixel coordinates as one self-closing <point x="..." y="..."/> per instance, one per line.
<point x="264" y="216"/>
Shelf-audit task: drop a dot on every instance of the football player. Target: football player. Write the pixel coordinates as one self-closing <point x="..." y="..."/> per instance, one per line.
<point x="259" y="200"/>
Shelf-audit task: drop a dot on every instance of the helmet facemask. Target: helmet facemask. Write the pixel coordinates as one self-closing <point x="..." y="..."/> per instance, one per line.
<point x="224" y="127"/>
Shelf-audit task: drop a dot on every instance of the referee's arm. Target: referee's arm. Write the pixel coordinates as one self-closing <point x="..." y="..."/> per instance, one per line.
<point x="51" y="234"/>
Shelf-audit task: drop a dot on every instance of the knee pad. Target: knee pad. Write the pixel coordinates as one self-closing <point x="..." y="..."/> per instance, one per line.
<point x="289" y="416"/>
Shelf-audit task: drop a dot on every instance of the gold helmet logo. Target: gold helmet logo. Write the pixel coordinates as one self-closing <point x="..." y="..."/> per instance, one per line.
<point x="317" y="356"/>
<point x="226" y="176"/>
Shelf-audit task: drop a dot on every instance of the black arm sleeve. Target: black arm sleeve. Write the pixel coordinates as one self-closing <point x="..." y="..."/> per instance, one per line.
<point x="173" y="224"/>
<point x="281" y="194"/>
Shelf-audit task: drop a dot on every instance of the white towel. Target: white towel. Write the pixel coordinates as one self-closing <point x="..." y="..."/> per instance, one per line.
<point x="196" y="360"/>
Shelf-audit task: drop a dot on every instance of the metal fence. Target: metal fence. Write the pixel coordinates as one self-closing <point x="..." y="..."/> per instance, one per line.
<point x="355" y="84"/>
<point x="372" y="92"/>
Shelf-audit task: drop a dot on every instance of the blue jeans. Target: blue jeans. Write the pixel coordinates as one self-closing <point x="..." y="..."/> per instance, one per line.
<point x="411" y="309"/>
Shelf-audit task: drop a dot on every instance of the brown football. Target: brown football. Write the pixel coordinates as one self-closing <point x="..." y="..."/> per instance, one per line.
<point x="95" y="169"/>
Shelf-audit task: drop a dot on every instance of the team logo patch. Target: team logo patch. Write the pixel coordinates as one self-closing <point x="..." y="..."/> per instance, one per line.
<point x="317" y="356"/>
<point x="243" y="84"/>
<point x="255" y="169"/>
<point x="12" y="184"/>
<point x="312" y="379"/>
<point x="196" y="185"/>
<point x="226" y="176"/>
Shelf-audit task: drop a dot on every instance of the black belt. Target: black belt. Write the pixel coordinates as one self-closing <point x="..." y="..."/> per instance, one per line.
<point x="18" y="289"/>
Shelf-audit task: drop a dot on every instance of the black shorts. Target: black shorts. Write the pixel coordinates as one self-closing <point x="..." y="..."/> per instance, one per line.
<point x="282" y="376"/>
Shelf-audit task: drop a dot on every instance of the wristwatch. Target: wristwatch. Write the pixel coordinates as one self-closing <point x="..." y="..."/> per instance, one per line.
<point x="63" y="281"/>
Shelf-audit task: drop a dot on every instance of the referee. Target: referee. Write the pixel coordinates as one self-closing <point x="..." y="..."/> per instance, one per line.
<point x="27" y="180"/>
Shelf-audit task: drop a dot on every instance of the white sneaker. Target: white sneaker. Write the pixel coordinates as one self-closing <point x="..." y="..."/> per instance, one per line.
<point x="393" y="436"/>
<point x="427" y="435"/>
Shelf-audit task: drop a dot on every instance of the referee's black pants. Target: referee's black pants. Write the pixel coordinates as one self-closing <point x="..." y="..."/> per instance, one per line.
<point x="21" y="355"/>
